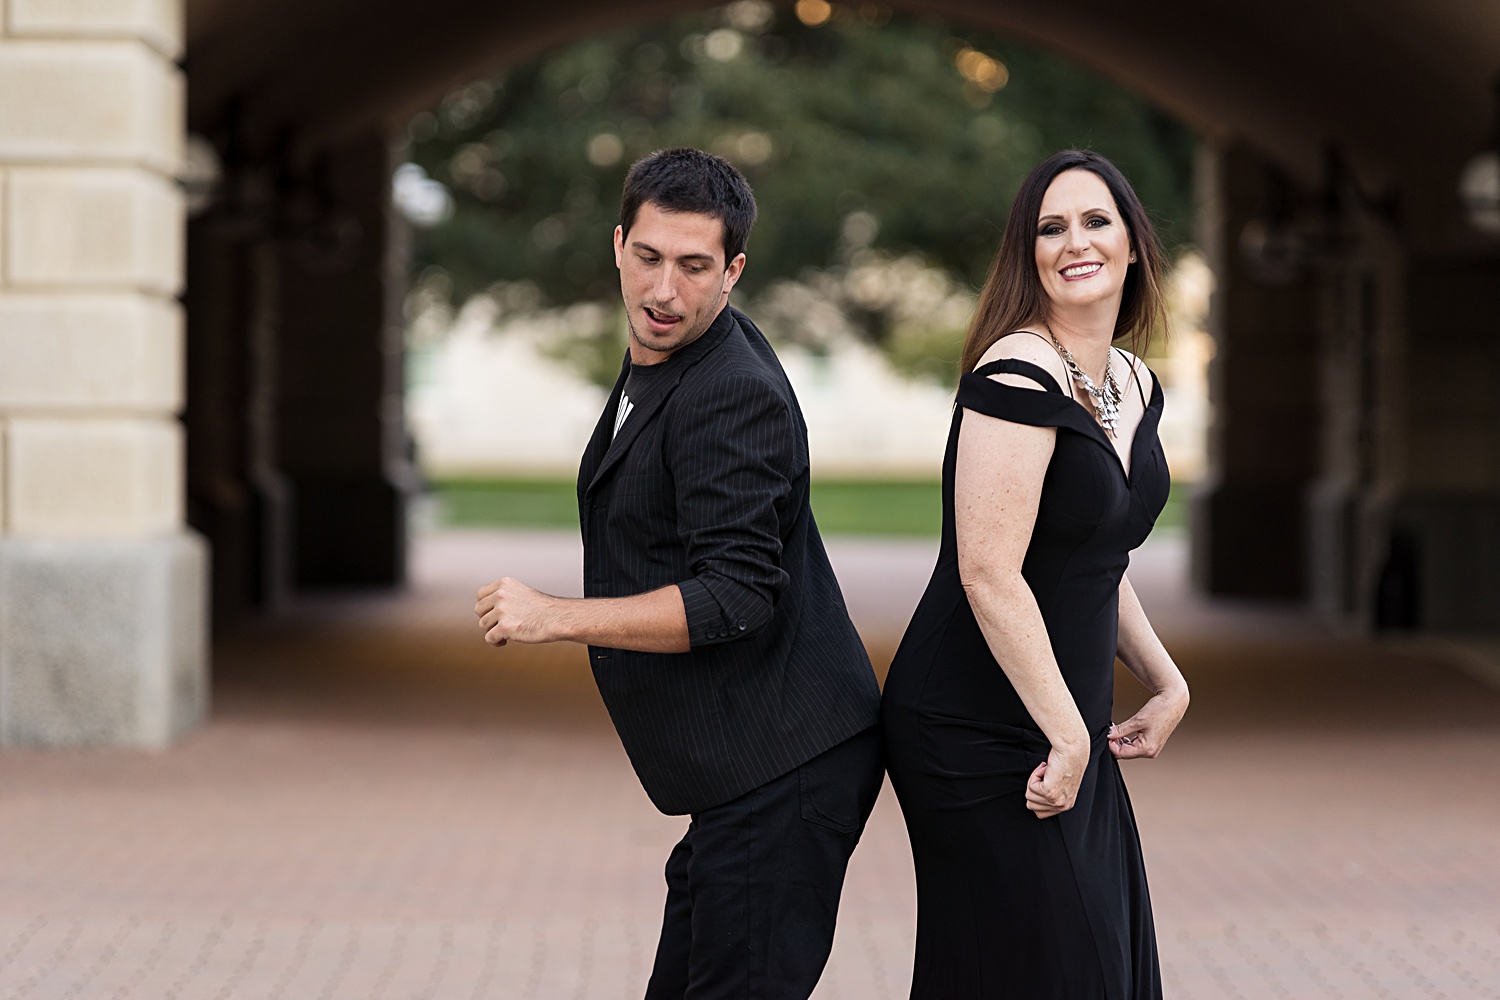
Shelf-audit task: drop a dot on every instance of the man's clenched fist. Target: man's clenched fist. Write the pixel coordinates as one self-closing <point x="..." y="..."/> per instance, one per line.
<point x="508" y="609"/>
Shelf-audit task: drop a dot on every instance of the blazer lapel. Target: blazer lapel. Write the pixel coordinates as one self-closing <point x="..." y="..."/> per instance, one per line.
<point x="615" y="449"/>
<point x="599" y="441"/>
<point x="639" y="417"/>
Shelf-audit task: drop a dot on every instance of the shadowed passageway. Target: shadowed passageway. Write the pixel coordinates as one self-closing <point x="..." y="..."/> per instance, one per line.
<point x="383" y="807"/>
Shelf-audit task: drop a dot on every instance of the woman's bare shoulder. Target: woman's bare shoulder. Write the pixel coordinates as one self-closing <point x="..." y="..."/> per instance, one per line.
<point x="1025" y="345"/>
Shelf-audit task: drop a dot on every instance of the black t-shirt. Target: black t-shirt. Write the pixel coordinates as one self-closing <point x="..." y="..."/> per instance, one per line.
<point x="642" y="385"/>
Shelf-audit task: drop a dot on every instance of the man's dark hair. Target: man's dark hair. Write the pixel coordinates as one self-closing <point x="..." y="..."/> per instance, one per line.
<point x="690" y="180"/>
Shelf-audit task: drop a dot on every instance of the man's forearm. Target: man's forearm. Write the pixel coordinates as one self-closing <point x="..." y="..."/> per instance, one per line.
<point x="653" y="622"/>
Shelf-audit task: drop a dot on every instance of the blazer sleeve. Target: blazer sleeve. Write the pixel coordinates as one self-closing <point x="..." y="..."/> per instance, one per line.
<point x="729" y="450"/>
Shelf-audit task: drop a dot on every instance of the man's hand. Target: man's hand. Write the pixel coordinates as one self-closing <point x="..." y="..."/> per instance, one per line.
<point x="508" y="609"/>
<point x="655" y="622"/>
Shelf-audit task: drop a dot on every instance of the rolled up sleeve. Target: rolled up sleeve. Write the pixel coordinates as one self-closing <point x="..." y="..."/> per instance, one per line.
<point x="730" y="452"/>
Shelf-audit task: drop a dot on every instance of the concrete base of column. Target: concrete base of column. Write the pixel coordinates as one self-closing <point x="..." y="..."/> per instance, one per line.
<point x="1440" y="573"/>
<point x="103" y="643"/>
<point x="1248" y="539"/>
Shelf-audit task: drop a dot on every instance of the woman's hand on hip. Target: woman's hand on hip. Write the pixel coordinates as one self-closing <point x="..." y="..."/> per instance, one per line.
<point x="1053" y="786"/>
<point x="1146" y="732"/>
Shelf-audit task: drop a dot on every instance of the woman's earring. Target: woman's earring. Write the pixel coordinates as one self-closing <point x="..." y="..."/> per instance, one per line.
<point x="1132" y="258"/>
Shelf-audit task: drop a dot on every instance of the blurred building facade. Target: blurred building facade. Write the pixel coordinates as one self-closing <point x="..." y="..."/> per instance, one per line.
<point x="232" y="385"/>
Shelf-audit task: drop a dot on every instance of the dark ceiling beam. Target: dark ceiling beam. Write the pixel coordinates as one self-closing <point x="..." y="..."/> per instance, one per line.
<point x="1393" y="83"/>
<point x="1291" y="75"/>
<point x="359" y="65"/>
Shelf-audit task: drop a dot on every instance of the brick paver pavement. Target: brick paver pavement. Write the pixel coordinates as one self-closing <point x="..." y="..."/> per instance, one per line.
<point x="385" y="809"/>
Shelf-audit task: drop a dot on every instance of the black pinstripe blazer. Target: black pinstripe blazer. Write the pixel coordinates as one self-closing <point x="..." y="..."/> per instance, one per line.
<point x="706" y="486"/>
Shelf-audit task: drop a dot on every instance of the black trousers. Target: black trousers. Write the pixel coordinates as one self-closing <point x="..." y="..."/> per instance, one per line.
<point x="753" y="888"/>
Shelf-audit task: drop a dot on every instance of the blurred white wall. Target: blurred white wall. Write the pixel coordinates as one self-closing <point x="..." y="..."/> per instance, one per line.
<point x="1183" y="369"/>
<point x="485" y="399"/>
<point x="488" y="396"/>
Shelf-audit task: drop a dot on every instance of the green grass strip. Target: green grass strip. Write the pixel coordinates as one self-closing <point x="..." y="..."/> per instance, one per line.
<point x="911" y="508"/>
<point x="507" y="503"/>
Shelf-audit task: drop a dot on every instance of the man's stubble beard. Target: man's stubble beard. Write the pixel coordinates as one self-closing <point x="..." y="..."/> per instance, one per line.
<point x="679" y="344"/>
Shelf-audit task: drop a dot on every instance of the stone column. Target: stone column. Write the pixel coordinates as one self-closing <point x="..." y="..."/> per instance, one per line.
<point x="1249" y="531"/>
<point x="298" y="469"/>
<point x="341" y="432"/>
<point x="1441" y="566"/>
<point x="102" y="589"/>
<point x="237" y="495"/>
<point x="1360" y="337"/>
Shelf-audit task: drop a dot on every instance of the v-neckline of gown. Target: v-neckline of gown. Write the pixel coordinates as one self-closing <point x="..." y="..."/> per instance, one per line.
<point x="1127" y="468"/>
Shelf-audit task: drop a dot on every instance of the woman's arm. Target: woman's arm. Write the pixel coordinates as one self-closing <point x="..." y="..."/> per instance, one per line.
<point x="1145" y="733"/>
<point x="997" y="487"/>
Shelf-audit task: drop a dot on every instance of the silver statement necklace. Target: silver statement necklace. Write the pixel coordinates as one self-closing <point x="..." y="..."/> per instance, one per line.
<point x="1106" y="397"/>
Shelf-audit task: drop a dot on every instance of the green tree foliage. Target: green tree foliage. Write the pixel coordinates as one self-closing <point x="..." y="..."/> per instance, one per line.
<point x="863" y="129"/>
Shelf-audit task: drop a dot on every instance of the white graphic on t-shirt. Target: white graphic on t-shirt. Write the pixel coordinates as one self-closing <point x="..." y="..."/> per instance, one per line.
<point x="624" y="411"/>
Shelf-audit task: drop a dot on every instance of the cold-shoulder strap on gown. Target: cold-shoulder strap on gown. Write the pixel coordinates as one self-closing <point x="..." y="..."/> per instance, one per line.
<point x="1049" y="408"/>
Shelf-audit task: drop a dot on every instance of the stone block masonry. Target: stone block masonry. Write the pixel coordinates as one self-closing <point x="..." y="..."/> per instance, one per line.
<point x="103" y="590"/>
<point x="78" y="353"/>
<point x="87" y="101"/>
<point x="92" y="228"/>
<point x="95" y="477"/>
<point x="158" y="23"/>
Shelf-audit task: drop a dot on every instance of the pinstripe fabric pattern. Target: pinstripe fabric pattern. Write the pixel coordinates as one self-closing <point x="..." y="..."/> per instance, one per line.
<point x="706" y="487"/>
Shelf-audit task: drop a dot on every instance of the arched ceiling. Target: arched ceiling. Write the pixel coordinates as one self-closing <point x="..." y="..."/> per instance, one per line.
<point x="1398" y="84"/>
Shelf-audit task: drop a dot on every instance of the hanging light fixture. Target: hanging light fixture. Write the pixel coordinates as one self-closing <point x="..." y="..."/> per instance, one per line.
<point x="1273" y="244"/>
<point x="1289" y="235"/>
<point x="199" y="174"/>
<point x="1479" y="183"/>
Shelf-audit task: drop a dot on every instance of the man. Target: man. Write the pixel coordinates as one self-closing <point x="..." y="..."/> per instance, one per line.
<point x="716" y="629"/>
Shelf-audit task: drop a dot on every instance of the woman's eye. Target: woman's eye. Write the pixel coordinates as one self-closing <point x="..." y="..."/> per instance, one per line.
<point x="1049" y="230"/>
<point x="1098" y="221"/>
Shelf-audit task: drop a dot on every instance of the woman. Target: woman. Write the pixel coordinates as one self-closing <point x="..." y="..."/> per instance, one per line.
<point x="1030" y="883"/>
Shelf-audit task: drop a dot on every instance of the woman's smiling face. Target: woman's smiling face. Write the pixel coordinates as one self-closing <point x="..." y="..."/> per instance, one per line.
<point x="1082" y="244"/>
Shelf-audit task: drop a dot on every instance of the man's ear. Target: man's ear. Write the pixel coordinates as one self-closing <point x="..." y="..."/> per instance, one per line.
<point x="733" y="271"/>
<point x="619" y="245"/>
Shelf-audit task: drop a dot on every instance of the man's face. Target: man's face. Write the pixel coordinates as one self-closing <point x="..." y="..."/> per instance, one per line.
<point x="673" y="279"/>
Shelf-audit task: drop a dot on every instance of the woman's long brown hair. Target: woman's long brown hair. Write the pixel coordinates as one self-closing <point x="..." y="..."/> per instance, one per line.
<point x="1013" y="297"/>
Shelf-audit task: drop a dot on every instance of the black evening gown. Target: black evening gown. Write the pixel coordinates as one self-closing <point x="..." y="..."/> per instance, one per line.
<point x="1009" y="905"/>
